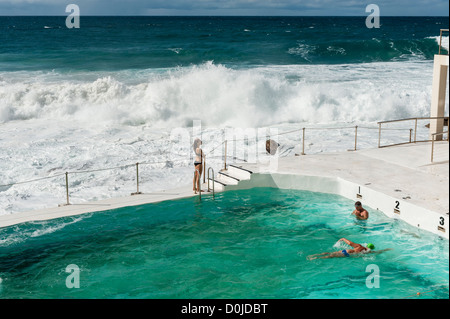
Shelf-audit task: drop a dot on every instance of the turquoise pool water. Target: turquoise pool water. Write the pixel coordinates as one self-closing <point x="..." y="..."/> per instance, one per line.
<point x="245" y="244"/>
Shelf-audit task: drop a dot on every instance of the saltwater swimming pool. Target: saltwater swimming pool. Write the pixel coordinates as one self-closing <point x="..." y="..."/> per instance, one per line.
<point x="244" y="244"/>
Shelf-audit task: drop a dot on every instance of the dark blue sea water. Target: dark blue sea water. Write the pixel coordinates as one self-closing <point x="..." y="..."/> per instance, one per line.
<point x="118" y="43"/>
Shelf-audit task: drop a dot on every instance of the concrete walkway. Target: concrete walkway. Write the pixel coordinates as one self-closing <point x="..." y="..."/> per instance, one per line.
<point x="401" y="171"/>
<point x="102" y="205"/>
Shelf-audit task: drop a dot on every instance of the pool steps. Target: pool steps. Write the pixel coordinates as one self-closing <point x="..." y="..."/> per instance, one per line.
<point x="230" y="176"/>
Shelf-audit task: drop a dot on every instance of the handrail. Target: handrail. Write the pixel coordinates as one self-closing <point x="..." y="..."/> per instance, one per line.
<point x="67" y="188"/>
<point x="204" y="166"/>
<point x="432" y="143"/>
<point x="224" y="156"/>
<point x="440" y="39"/>
<point x="213" y="189"/>
<point x="415" y="119"/>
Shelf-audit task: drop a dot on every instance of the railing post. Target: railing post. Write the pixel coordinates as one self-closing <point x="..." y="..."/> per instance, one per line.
<point x="379" y="135"/>
<point x="209" y="178"/>
<point x="432" y="148"/>
<point x="204" y="167"/>
<point x="199" y="184"/>
<point x="410" y="135"/>
<point x="67" y="188"/>
<point x="415" y="131"/>
<point x="303" y="142"/>
<point x="137" y="180"/>
<point x="225" y="159"/>
<point x="356" y="135"/>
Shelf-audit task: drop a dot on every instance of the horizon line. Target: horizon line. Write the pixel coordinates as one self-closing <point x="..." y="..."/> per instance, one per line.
<point x="275" y="16"/>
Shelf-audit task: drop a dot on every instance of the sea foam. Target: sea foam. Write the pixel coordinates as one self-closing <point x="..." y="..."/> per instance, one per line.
<point x="223" y="96"/>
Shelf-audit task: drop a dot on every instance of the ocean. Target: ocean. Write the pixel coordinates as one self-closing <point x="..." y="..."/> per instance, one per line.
<point x="113" y="91"/>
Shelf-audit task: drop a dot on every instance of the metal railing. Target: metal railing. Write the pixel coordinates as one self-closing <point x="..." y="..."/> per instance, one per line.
<point x="225" y="156"/>
<point x="303" y="138"/>
<point x="411" y="140"/>
<point x="67" y="173"/>
<point x="355" y="128"/>
<point x="440" y="40"/>
<point x="213" y="189"/>
<point x="433" y="137"/>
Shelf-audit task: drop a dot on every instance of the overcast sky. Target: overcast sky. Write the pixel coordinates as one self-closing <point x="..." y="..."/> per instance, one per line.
<point x="227" y="7"/>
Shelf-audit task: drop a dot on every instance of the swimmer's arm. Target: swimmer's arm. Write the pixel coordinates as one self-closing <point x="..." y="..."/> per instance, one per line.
<point x="365" y="214"/>
<point x="379" y="251"/>
<point x="358" y="215"/>
<point x="348" y="242"/>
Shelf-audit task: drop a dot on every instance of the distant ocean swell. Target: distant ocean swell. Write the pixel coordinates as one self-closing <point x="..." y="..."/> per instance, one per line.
<point x="368" y="50"/>
<point x="288" y="52"/>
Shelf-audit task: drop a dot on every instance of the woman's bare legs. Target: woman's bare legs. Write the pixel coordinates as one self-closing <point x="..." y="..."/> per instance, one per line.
<point x="193" y="182"/>
<point x="326" y="255"/>
<point x="197" y="176"/>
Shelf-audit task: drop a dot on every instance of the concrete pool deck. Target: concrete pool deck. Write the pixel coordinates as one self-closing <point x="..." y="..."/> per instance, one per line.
<point x="403" y="172"/>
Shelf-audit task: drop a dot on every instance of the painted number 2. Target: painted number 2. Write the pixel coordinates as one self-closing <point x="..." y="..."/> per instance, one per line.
<point x="397" y="204"/>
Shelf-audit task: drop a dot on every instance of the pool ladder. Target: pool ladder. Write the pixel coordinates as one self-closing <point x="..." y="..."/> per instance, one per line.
<point x="209" y="190"/>
<point x="200" y="184"/>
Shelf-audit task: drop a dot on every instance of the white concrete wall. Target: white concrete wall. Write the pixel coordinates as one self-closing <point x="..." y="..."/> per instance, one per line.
<point x="440" y="70"/>
<point x="396" y="208"/>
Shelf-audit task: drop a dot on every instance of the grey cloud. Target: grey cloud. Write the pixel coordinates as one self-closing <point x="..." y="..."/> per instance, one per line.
<point x="223" y="7"/>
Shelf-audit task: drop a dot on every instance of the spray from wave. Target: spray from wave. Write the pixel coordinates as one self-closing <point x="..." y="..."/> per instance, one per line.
<point x="219" y="96"/>
<point x="443" y="42"/>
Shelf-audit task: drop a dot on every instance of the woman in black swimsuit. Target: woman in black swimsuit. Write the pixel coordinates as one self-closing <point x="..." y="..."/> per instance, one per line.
<point x="198" y="164"/>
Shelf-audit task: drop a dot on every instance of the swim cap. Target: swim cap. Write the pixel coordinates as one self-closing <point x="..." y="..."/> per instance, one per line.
<point x="371" y="246"/>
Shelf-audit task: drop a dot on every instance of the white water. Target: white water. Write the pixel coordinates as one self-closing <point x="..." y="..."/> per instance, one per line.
<point x="221" y="96"/>
<point x="444" y="42"/>
<point x="51" y="123"/>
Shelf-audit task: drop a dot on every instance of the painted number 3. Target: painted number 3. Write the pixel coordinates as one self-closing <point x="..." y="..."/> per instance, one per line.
<point x="441" y="221"/>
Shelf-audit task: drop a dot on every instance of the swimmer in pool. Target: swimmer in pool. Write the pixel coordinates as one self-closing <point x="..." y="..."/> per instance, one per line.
<point x="360" y="212"/>
<point x="357" y="249"/>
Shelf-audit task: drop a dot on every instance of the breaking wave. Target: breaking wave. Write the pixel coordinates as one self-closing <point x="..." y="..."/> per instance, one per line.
<point x="220" y="95"/>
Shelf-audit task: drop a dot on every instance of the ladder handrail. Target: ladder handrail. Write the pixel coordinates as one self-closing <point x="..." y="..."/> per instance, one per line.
<point x="210" y="168"/>
<point x="433" y="136"/>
